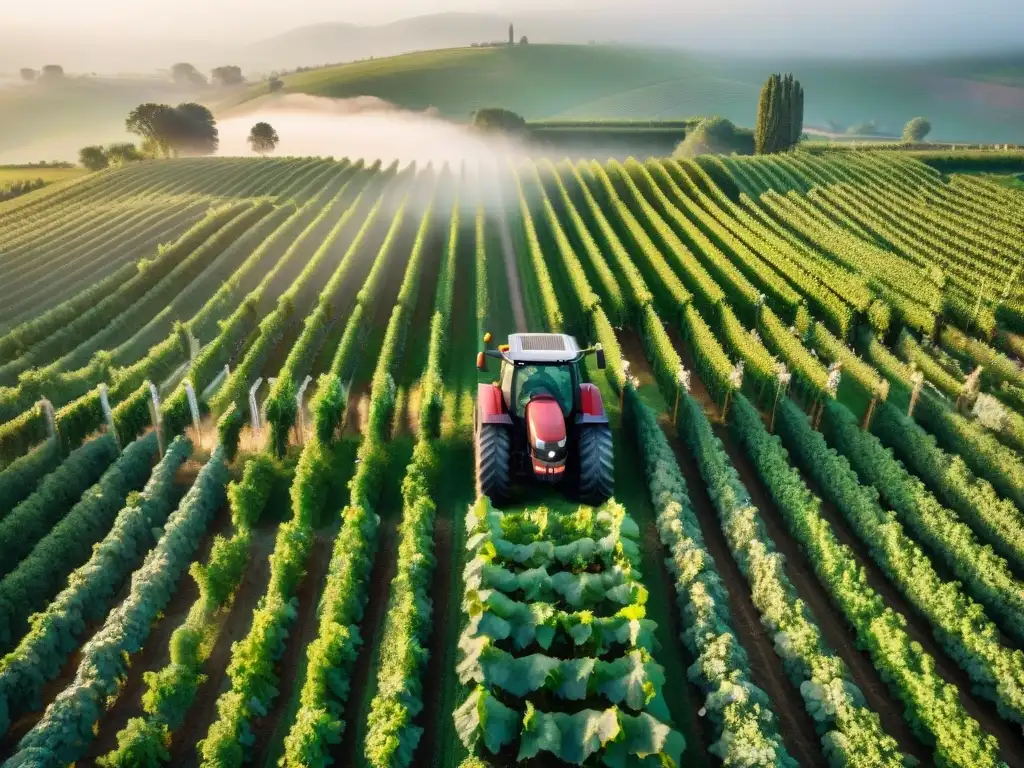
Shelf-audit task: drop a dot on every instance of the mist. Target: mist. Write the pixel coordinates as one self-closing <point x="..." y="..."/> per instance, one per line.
<point x="364" y="128"/>
<point x="96" y="36"/>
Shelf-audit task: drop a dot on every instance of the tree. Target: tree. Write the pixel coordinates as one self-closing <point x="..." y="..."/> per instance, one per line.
<point x="228" y="75"/>
<point x="780" y="115"/>
<point x="197" y="131"/>
<point x="275" y="84"/>
<point x="122" y="153"/>
<point x="53" y="72"/>
<point x="263" y="138"/>
<point x="184" y="73"/>
<point x="499" y="121"/>
<point x="916" y="130"/>
<point x="28" y="74"/>
<point x="169" y="131"/>
<point x="93" y="158"/>
<point x="713" y="136"/>
<point x="524" y="40"/>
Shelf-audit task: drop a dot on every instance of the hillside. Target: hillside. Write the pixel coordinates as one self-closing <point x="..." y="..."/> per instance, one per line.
<point x="979" y="100"/>
<point x="51" y="121"/>
<point x="967" y="100"/>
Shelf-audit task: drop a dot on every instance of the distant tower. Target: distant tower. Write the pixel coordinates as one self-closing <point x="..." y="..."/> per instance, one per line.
<point x="511" y="35"/>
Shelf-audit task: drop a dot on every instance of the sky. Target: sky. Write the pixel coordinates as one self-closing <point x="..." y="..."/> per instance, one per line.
<point x="209" y="19"/>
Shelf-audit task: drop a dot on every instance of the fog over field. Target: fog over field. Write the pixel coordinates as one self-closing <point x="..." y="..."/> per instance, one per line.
<point x="359" y="128"/>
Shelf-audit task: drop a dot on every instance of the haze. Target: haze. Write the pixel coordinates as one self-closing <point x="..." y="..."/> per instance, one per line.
<point x="105" y="35"/>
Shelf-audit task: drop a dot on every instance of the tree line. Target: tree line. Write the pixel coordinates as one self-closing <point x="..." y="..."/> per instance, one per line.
<point x="166" y="131"/>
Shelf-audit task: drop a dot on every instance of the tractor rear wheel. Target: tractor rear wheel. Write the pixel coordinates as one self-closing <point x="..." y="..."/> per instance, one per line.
<point x="597" y="464"/>
<point x="493" y="460"/>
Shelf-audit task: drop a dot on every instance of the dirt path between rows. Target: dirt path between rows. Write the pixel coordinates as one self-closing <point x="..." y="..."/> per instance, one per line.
<point x="349" y="751"/>
<point x="433" y="680"/>
<point x="236" y="626"/>
<point x="829" y="619"/>
<point x="301" y="633"/>
<point x="1010" y="737"/>
<point x="795" y="725"/>
<point x="515" y="288"/>
<point x="155" y="653"/>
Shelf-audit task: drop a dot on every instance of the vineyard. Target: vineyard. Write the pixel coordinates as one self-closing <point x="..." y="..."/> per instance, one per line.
<point x="239" y="519"/>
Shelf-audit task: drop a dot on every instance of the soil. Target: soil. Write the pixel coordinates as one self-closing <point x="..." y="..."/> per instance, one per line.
<point x="795" y="725"/>
<point x="300" y="635"/>
<point x="357" y="412"/>
<point x="349" y="751"/>
<point x="1010" y="737"/>
<point x="765" y="665"/>
<point x="515" y="288"/>
<point x="236" y="626"/>
<point x="830" y="621"/>
<point x="155" y="653"/>
<point x="433" y="681"/>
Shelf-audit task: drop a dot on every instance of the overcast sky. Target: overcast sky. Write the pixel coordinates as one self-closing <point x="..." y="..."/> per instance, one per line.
<point x="208" y="19"/>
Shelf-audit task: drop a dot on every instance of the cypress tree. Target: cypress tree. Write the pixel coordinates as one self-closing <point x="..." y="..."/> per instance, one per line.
<point x="798" y="114"/>
<point x="785" y="124"/>
<point x="763" y="136"/>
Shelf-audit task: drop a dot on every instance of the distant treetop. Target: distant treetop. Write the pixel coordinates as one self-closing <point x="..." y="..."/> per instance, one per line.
<point x="916" y="130"/>
<point x="499" y="120"/>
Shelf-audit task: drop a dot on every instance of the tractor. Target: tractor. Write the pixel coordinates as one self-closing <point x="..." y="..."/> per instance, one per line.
<point x="539" y="421"/>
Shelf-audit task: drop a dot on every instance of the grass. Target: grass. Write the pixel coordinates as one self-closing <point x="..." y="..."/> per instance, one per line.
<point x="607" y="82"/>
<point x="13" y="173"/>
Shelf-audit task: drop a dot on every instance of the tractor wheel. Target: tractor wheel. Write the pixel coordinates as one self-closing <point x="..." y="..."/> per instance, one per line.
<point x="597" y="464"/>
<point x="493" y="458"/>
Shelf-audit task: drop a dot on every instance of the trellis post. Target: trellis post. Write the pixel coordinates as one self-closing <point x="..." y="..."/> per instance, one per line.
<point x="193" y="405"/>
<point x="254" y="410"/>
<point x="108" y="414"/>
<point x="158" y="422"/>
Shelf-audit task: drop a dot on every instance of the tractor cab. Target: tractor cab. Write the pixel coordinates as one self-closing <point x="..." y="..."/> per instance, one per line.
<point x="539" y="418"/>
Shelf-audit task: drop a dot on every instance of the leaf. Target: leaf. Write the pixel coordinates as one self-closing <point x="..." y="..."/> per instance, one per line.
<point x="483" y="716"/>
<point x="641" y="737"/>
<point x="630" y="679"/>
<point x="572" y="678"/>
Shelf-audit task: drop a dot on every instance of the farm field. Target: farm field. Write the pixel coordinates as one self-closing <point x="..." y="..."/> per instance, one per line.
<point x="239" y="520"/>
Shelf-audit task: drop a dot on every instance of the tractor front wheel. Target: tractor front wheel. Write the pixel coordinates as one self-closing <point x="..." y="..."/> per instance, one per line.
<point x="597" y="464"/>
<point x="493" y="460"/>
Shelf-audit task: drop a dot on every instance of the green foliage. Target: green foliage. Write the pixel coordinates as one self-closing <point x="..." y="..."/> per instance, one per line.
<point x="931" y="703"/>
<point x="603" y="651"/>
<point x="972" y="639"/>
<point x="21" y="433"/>
<point x="93" y="158"/>
<point x="780" y="115"/>
<point x="744" y="723"/>
<point x="188" y="129"/>
<point x="263" y="138"/>
<point x="219" y="578"/>
<point x="916" y="129"/>
<point x="68" y="544"/>
<point x="141" y="742"/>
<point x="714" y="136"/>
<point x="65" y="730"/>
<point x="23" y="475"/>
<point x="497" y="120"/>
<point x="986" y="575"/>
<point x="171" y="691"/>
<point x="90" y="590"/>
<point x="28" y="522"/>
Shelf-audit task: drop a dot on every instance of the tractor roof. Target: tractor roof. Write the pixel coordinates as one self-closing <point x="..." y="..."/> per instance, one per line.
<point x="542" y="348"/>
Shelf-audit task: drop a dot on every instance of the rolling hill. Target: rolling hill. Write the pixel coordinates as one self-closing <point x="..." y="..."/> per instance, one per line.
<point x="967" y="100"/>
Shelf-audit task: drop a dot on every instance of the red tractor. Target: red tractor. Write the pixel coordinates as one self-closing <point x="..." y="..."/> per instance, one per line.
<point x="541" y="421"/>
